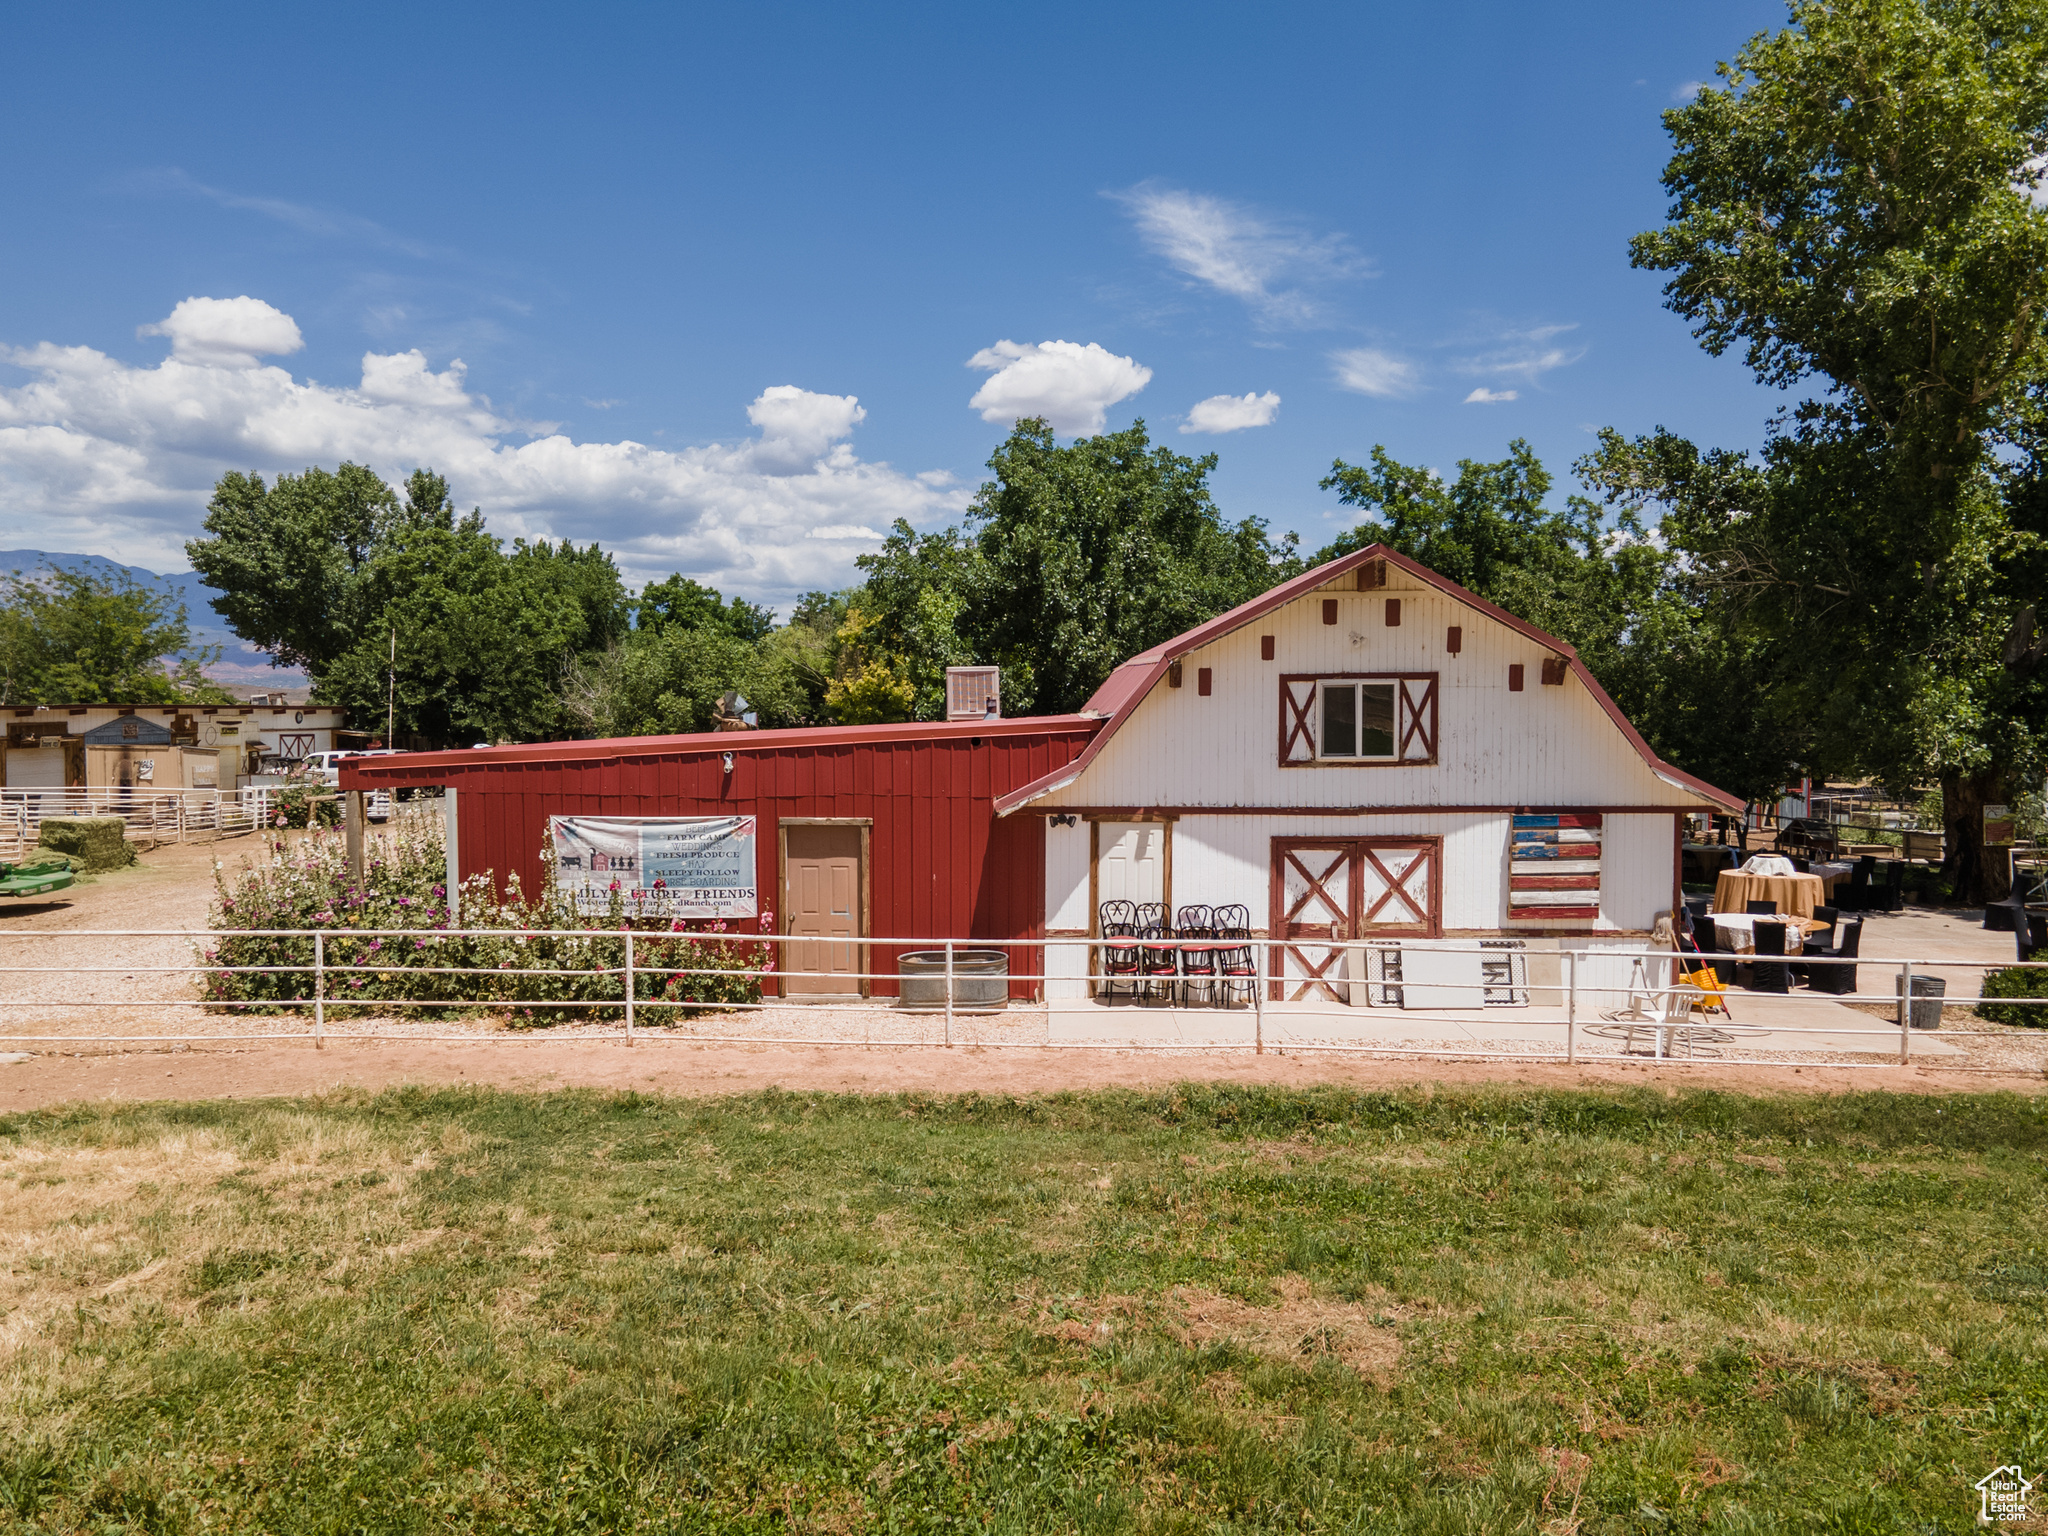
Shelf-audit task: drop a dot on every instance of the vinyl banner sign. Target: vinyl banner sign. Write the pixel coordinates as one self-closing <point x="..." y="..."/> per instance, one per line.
<point x="687" y="866"/>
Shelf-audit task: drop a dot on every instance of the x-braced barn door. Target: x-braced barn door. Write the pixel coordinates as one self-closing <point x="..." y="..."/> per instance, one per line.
<point x="1326" y="892"/>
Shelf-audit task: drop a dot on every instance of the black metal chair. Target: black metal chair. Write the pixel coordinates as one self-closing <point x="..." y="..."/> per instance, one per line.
<point x="1766" y="974"/>
<point x="1891" y="896"/>
<point x="1761" y="908"/>
<point x="1235" y="970"/>
<point x="1818" y="941"/>
<point x="1198" y="960"/>
<point x="1855" y="896"/>
<point x="1838" y="979"/>
<point x="1118" y="920"/>
<point x="2030" y="935"/>
<point x="1158" y="962"/>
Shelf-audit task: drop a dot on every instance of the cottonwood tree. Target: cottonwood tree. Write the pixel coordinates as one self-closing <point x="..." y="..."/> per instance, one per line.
<point x="1854" y="207"/>
<point x="334" y="572"/>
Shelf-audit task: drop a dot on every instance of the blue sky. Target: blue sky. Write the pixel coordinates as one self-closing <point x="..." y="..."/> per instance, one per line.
<point x="722" y="283"/>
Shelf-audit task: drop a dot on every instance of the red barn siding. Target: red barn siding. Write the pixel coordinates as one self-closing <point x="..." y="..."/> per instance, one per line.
<point x="940" y="864"/>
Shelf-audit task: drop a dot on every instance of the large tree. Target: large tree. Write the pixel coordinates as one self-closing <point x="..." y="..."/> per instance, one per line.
<point x="401" y="604"/>
<point x="1854" y="208"/>
<point x="74" y="637"/>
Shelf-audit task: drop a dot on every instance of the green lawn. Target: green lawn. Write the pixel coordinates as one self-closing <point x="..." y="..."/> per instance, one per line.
<point x="1214" y="1309"/>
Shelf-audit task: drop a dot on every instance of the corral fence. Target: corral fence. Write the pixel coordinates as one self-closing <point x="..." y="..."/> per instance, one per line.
<point x="1593" y="1004"/>
<point x="156" y="815"/>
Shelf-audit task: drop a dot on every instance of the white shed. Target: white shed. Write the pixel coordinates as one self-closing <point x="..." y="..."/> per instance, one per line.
<point x="1368" y="750"/>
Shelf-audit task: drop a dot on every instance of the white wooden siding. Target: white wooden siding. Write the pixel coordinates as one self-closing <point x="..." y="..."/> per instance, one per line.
<point x="1228" y="858"/>
<point x="1546" y="746"/>
<point x="1635" y="870"/>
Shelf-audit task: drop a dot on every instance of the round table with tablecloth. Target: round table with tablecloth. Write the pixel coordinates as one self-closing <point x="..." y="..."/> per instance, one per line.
<point x="1796" y="895"/>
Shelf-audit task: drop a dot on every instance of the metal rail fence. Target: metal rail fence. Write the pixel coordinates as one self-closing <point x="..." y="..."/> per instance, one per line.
<point x="151" y="814"/>
<point x="1652" y="1014"/>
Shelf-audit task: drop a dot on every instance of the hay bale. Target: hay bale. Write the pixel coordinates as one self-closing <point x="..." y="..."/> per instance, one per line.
<point x="48" y="858"/>
<point x="101" y="841"/>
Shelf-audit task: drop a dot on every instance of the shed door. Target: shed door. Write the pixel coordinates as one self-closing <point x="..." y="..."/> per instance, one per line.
<point x="822" y="900"/>
<point x="35" y="768"/>
<point x="1132" y="862"/>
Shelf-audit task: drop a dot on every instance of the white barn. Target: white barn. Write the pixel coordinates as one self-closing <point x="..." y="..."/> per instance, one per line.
<point x="1366" y="751"/>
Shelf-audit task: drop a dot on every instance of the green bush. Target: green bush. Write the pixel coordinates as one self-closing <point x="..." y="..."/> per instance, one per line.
<point x="2016" y="981"/>
<point x="303" y="804"/>
<point x="101" y="841"/>
<point x="305" y="885"/>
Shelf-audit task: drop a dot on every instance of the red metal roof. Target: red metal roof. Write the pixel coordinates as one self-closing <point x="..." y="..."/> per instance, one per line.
<point x="1126" y="687"/>
<point x="430" y="767"/>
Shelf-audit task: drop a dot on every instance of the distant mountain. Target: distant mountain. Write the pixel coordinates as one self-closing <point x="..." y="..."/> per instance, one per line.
<point x="240" y="665"/>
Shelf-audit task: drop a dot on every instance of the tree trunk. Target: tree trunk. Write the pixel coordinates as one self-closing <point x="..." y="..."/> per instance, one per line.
<point x="1977" y="874"/>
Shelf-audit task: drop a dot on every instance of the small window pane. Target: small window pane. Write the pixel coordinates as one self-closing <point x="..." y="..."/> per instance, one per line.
<point x="1340" y="720"/>
<point x="1375" y="719"/>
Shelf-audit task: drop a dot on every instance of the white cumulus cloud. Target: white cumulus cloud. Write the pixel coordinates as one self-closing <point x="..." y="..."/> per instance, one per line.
<point x="1072" y="386"/>
<point x="100" y="456"/>
<point x="227" y="333"/>
<point x="1232" y="413"/>
<point x="1268" y="263"/>
<point x="1369" y="371"/>
<point x="1483" y="396"/>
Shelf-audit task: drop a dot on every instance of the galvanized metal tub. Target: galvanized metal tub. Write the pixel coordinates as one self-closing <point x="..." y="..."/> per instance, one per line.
<point x="981" y="978"/>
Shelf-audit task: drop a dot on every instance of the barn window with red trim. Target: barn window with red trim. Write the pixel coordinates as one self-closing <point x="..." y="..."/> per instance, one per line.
<point x="1364" y="718"/>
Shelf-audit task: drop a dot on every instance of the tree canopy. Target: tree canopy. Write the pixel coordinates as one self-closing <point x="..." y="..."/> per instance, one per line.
<point x="75" y="637"/>
<point x="1854" y="206"/>
<point x="332" y="571"/>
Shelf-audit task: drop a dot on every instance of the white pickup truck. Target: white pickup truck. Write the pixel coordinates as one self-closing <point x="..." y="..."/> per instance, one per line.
<point x="325" y="768"/>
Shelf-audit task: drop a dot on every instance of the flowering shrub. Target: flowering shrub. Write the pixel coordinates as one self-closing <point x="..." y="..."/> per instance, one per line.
<point x="304" y="884"/>
<point x="302" y="802"/>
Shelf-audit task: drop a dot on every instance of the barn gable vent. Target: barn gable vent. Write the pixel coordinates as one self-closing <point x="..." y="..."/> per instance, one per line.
<point x="974" y="693"/>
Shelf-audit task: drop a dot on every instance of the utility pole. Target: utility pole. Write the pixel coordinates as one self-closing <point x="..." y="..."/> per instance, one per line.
<point x="391" y="688"/>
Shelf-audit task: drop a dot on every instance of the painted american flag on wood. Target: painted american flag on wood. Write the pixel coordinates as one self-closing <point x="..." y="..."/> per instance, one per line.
<point x="1554" y="866"/>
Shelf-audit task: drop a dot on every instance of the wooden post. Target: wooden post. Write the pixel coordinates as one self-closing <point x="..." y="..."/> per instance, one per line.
<point x="352" y="832"/>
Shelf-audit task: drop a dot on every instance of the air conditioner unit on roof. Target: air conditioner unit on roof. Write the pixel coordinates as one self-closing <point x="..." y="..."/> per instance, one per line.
<point x="974" y="693"/>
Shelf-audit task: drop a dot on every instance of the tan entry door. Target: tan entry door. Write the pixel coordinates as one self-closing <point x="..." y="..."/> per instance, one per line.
<point x="821" y="898"/>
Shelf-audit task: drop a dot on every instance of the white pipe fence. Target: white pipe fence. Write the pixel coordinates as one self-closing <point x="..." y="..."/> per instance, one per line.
<point x="161" y="815"/>
<point x="1582" y="1017"/>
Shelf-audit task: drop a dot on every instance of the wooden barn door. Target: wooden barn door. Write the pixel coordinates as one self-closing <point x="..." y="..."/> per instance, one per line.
<point x="1313" y="910"/>
<point x="1327" y="891"/>
<point x="823" y="902"/>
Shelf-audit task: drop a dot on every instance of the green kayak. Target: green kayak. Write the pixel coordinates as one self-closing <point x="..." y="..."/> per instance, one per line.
<point x="16" y="881"/>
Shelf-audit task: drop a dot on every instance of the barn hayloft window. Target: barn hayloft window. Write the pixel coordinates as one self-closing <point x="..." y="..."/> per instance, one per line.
<point x="1358" y="719"/>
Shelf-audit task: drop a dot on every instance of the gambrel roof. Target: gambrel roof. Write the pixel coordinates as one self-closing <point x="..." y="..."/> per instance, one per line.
<point x="1127" y="687"/>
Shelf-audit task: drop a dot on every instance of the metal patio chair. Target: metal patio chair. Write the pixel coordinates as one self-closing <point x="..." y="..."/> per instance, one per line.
<point x="1235" y="970"/>
<point x="1197" y="960"/>
<point x="1118" y="921"/>
<point x="1158" y="961"/>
